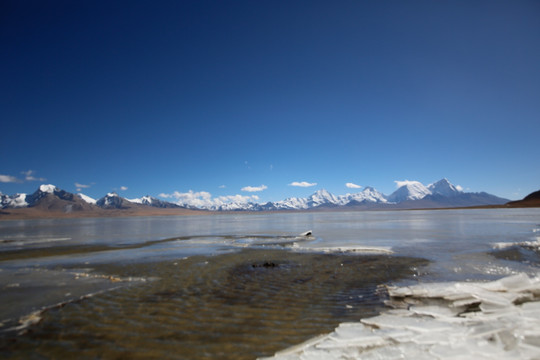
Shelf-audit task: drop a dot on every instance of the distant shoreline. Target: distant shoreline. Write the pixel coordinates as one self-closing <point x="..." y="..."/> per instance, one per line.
<point x="35" y="214"/>
<point x="31" y="213"/>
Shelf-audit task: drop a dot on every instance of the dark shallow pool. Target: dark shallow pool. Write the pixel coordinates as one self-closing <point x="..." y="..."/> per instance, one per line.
<point x="233" y="306"/>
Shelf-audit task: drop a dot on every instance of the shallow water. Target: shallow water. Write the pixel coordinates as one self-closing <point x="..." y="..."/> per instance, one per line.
<point x="231" y="306"/>
<point x="234" y="285"/>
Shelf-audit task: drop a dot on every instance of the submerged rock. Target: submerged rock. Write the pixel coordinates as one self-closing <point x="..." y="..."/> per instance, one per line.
<point x="265" y="264"/>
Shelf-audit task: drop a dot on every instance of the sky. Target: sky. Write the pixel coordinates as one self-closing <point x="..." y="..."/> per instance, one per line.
<point x="265" y="100"/>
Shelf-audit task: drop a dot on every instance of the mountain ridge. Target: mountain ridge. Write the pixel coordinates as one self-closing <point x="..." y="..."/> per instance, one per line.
<point x="408" y="195"/>
<point x="531" y="200"/>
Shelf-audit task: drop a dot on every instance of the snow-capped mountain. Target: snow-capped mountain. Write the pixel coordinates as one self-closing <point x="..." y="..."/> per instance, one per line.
<point x="142" y="200"/>
<point x="113" y="201"/>
<point x="444" y="187"/>
<point x="51" y="198"/>
<point x="45" y="191"/>
<point x="415" y="190"/>
<point x="152" y="201"/>
<point x="292" y="203"/>
<point x="46" y="197"/>
<point x="368" y="195"/>
<point x="410" y="194"/>
<point x="87" y="198"/>
<point x="409" y="190"/>
<point x="322" y="197"/>
<point x="237" y="206"/>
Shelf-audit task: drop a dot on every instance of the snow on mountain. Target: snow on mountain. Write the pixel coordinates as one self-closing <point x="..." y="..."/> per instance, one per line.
<point x="409" y="190"/>
<point x="145" y="200"/>
<point x="444" y="187"/>
<point x="46" y="197"/>
<point x="236" y="206"/>
<point x="47" y="188"/>
<point x="87" y="198"/>
<point x="325" y="198"/>
<point x="292" y="203"/>
<point x="42" y="192"/>
<point x="322" y="197"/>
<point x="438" y="194"/>
<point x="113" y="201"/>
<point x="369" y="194"/>
<point x="152" y="201"/>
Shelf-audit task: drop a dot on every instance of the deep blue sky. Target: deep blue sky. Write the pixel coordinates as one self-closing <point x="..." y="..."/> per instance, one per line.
<point x="164" y="96"/>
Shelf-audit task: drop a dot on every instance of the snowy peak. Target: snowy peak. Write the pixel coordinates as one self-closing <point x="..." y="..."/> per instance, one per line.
<point x="322" y="197"/>
<point x="445" y="188"/>
<point x="47" y="197"/>
<point x="113" y="201"/>
<point x="50" y="192"/>
<point x="145" y="200"/>
<point x="292" y="203"/>
<point x="410" y="194"/>
<point x="409" y="190"/>
<point x="87" y="199"/>
<point x="152" y="201"/>
<point x="367" y="195"/>
<point x="325" y="198"/>
<point x="50" y="189"/>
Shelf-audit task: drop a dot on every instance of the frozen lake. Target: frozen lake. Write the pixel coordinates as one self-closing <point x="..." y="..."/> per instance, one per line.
<point x="107" y="265"/>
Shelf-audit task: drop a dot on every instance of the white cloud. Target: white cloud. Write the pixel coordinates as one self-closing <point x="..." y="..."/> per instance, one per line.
<point x="405" y="182"/>
<point x="204" y="199"/>
<point x="28" y="176"/>
<point x="81" y="186"/>
<point x="352" y="186"/>
<point x="222" y="186"/>
<point x="8" y="179"/>
<point x="254" y="188"/>
<point x="302" y="184"/>
<point x="459" y="187"/>
<point x="235" y="198"/>
<point x="123" y="188"/>
<point x="199" y="198"/>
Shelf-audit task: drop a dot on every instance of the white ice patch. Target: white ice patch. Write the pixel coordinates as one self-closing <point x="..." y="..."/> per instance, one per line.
<point x="455" y="320"/>
<point x="358" y="249"/>
<point x="534" y="243"/>
<point x="26" y="242"/>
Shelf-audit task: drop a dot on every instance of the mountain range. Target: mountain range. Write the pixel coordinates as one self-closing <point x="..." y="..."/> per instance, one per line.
<point x="409" y="195"/>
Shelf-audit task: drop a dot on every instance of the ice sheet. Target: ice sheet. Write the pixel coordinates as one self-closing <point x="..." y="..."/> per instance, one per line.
<point x="454" y="320"/>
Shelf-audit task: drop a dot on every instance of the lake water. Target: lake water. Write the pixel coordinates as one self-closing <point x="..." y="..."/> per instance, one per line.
<point x="236" y="286"/>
